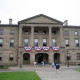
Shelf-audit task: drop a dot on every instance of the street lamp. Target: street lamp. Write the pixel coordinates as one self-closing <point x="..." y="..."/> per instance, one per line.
<point x="68" y="58"/>
<point x="20" y="59"/>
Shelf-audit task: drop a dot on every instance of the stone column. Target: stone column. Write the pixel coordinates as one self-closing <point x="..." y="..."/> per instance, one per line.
<point x="20" y="45"/>
<point x="32" y="58"/>
<point x="50" y="36"/>
<point x="19" y="58"/>
<point x="32" y="36"/>
<point x="20" y="36"/>
<point x="61" y="37"/>
<point x="51" y="58"/>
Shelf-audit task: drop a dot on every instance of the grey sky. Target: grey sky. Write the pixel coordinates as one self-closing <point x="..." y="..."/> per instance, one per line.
<point x="58" y="9"/>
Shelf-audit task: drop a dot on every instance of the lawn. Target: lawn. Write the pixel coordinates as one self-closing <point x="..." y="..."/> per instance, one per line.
<point x="78" y="70"/>
<point x="26" y="75"/>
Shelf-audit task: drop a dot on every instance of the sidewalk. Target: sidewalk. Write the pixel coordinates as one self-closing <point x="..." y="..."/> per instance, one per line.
<point x="47" y="73"/>
<point x="67" y="75"/>
<point x="63" y="74"/>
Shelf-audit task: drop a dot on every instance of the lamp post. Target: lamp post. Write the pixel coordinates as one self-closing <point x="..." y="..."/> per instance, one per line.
<point x="20" y="59"/>
<point x="68" y="58"/>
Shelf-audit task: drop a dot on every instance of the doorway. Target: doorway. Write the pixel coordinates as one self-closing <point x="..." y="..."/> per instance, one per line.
<point x="26" y="58"/>
<point x="39" y="57"/>
<point x="56" y="57"/>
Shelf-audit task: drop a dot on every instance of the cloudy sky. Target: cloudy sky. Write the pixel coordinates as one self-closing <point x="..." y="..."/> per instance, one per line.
<point x="57" y="9"/>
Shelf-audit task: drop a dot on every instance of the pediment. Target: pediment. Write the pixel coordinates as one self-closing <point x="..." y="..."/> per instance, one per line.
<point x="41" y="19"/>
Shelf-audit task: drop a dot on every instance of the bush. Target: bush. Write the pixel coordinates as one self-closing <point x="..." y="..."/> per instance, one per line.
<point x="3" y="67"/>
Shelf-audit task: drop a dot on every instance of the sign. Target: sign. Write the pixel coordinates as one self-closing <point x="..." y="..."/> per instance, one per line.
<point x="38" y="48"/>
<point x="55" y="48"/>
<point x="28" y="48"/>
<point x="45" y="48"/>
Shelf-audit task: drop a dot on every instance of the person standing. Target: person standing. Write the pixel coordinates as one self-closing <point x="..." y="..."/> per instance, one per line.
<point x="53" y="65"/>
<point x="35" y="64"/>
<point x="43" y="63"/>
<point x="57" y="67"/>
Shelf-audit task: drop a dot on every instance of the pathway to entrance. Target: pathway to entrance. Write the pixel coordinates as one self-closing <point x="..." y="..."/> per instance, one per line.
<point x="63" y="74"/>
<point x="47" y="73"/>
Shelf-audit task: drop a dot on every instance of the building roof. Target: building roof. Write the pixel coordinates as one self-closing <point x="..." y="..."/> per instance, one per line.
<point x="70" y="26"/>
<point x="37" y="17"/>
<point x="8" y="25"/>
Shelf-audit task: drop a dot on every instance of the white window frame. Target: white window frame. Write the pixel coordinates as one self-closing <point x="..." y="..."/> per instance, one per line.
<point x="11" y="42"/>
<point x="12" y="32"/>
<point x="54" y="42"/>
<point x="44" y="42"/>
<point x="11" y="56"/>
<point x="66" y="33"/>
<point x="78" y="56"/>
<point x="1" y="42"/>
<point x="76" y="42"/>
<point x="76" y="33"/>
<point x="1" y="32"/>
<point x="26" y="42"/>
<point x="35" y="42"/>
<point x="0" y="56"/>
<point x="67" y="42"/>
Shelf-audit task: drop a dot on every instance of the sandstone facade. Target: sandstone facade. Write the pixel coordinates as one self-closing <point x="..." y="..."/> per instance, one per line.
<point x="39" y="27"/>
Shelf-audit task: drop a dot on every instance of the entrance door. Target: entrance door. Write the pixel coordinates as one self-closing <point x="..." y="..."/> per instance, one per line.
<point x="41" y="57"/>
<point x="56" y="57"/>
<point x="26" y="58"/>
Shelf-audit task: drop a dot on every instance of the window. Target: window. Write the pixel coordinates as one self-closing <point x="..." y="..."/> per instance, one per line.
<point x="12" y="32"/>
<point x="11" y="42"/>
<point x="0" y="56"/>
<point x="44" y="42"/>
<point x="68" y="56"/>
<point x="76" y="33"/>
<point x="1" y="32"/>
<point x="44" y="32"/>
<point x="25" y="42"/>
<point x="67" y="42"/>
<point x="26" y="32"/>
<point x="78" y="56"/>
<point x="1" y="42"/>
<point x="35" y="42"/>
<point x="53" y="32"/>
<point x="66" y="33"/>
<point x="54" y="43"/>
<point x="76" y="42"/>
<point x="35" y="32"/>
<point x="11" y="56"/>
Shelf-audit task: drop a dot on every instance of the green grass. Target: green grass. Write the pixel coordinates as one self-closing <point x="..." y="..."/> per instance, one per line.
<point x="74" y="65"/>
<point x="28" y="75"/>
<point x="78" y="70"/>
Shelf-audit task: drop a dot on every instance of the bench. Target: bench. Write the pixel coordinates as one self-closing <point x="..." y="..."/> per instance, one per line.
<point x="78" y="64"/>
<point x="1" y="66"/>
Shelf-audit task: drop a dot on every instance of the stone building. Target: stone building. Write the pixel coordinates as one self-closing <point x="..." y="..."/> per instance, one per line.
<point x="39" y="38"/>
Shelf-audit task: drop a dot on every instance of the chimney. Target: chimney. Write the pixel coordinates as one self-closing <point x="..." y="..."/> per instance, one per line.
<point x="0" y="21"/>
<point x="10" y="21"/>
<point x="66" y="22"/>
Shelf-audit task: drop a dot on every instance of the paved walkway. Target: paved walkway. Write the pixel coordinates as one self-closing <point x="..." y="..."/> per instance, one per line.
<point x="47" y="73"/>
<point x="62" y="74"/>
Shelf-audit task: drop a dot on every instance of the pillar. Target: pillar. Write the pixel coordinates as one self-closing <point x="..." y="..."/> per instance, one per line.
<point x="50" y="36"/>
<point x="32" y="58"/>
<point x="51" y="57"/>
<point x="61" y="37"/>
<point x="20" y="45"/>
<point x="32" y="36"/>
<point x="20" y="36"/>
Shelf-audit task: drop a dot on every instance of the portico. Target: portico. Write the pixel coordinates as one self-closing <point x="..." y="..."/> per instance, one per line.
<point x="53" y="30"/>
